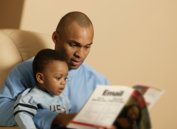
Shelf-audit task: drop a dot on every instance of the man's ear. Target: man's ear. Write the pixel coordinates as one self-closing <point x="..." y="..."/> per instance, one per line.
<point x="54" y="36"/>
<point x="40" y="78"/>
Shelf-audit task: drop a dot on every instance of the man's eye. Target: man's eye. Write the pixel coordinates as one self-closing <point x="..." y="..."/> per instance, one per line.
<point x="73" y="44"/>
<point x="88" y="46"/>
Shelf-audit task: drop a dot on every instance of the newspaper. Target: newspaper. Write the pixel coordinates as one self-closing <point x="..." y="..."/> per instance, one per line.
<point x="122" y="106"/>
<point x="150" y="94"/>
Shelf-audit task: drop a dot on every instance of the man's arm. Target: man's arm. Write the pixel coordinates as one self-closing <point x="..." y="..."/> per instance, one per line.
<point x="62" y="119"/>
<point x="6" y="112"/>
<point x="16" y="82"/>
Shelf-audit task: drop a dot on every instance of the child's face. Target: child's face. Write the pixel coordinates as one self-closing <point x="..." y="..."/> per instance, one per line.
<point x="54" y="77"/>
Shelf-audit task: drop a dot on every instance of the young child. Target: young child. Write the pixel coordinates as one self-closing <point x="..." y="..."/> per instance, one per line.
<point x="50" y="72"/>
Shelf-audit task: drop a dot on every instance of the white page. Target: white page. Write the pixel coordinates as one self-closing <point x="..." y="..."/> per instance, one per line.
<point x="102" y="107"/>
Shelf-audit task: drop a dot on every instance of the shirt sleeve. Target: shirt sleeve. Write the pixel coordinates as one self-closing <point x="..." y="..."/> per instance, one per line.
<point x="25" y="121"/>
<point x="24" y="111"/>
<point x="6" y="112"/>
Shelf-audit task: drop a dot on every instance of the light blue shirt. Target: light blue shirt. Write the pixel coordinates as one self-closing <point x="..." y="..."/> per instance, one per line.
<point x="30" y="100"/>
<point x="80" y="84"/>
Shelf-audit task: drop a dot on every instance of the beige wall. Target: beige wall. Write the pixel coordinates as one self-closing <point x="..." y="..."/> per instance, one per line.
<point x="135" y="42"/>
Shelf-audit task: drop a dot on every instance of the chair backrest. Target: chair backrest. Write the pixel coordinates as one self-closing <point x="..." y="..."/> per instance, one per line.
<point x="19" y="45"/>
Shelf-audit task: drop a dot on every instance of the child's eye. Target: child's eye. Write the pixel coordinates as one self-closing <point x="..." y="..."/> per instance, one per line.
<point x="58" y="78"/>
<point x="66" y="78"/>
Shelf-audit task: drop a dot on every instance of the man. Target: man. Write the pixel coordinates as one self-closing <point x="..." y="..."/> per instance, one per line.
<point x="73" y="38"/>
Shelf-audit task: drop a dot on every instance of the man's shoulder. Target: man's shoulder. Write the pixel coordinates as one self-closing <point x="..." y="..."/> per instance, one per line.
<point x="20" y="74"/>
<point x="26" y="62"/>
<point x="23" y="66"/>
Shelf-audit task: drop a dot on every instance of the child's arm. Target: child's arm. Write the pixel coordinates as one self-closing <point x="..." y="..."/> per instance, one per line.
<point x="24" y="111"/>
<point x="25" y="120"/>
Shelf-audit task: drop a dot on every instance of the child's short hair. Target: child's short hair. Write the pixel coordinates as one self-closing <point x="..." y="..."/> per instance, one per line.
<point x="43" y="57"/>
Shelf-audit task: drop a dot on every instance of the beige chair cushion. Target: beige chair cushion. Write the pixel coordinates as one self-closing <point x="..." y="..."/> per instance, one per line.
<point x="9" y="55"/>
<point x="16" y="46"/>
<point x="28" y="43"/>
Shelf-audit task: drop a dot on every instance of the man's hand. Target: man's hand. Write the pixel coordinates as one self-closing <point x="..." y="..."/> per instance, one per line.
<point x="112" y="127"/>
<point x="63" y="119"/>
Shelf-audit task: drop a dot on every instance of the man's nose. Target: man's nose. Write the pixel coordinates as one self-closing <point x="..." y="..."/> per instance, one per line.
<point x="79" y="52"/>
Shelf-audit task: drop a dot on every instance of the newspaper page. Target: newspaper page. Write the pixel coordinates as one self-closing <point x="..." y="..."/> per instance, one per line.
<point x="102" y="108"/>
<point x="150" y="94"/>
